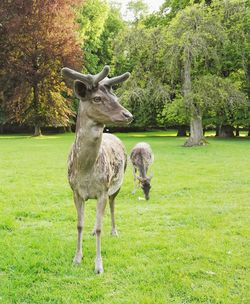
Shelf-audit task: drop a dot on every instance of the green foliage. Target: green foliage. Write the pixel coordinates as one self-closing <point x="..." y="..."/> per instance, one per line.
<point x="91" y="18"/>
<point x="221" y="100"/>
<point x="99" y="25"/>
<point x="138" y="8"/>
<point x="174" y="113"/>
<point x="189" y="50"/>
<point x="145" y="102"/>
<point x="187" y="244"/>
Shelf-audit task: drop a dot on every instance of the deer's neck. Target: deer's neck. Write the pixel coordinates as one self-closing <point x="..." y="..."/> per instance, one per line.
<point x="87" y="142"/>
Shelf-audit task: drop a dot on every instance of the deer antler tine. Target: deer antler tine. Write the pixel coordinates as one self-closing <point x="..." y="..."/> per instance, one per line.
<point x="69" y="73"/>
<point x="116" y="80"/>
<point x="99" y="77"/>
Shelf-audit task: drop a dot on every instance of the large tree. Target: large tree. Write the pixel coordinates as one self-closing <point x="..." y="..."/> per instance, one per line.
<point x="192" y="39"/>
<point x="39" y="38"/>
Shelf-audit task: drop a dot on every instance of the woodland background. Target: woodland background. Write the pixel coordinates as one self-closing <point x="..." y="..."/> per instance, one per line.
<point x="189" y="61"/>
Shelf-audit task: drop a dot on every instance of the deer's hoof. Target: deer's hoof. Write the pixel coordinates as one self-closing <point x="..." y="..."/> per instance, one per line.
<point x="77" y="259"/>
<point x="114" y="232"/>
<point x="98" y="267"/>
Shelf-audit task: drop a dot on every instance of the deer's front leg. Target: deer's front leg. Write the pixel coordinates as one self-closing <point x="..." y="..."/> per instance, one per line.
<point x="101" y="204"/>
<point x="134" y="174"/>
<point x="79" y="203"/>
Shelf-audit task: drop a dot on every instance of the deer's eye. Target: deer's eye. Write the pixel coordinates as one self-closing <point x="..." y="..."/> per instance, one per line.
<point x="97" y="99"/>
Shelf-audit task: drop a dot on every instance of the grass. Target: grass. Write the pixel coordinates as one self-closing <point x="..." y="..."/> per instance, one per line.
<point x="188" y="244"/>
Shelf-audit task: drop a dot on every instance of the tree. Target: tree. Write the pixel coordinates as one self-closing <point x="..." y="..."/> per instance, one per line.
<point x="234" y="56"/>
<point x="191" y="42"/>
<point x="113" y="25"/>
<point x="136" y="51"/>
<point x="175" y="114"/>
<point x="138" y="8"/>
<point x="222" y="100"/>
<point x="91" y="18"/>
<point x="39" y="39"/>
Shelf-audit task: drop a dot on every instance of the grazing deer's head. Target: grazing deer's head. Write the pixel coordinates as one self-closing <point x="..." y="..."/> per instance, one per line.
<point x="145" y="185"/>
<point x="95" y="92"/>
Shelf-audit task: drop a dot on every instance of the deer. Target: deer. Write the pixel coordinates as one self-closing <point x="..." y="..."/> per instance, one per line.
<point x="97" y="160"/>
<point x="141" y="157"/>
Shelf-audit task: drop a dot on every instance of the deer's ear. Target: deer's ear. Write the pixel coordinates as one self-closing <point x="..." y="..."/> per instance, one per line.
<point x="80" y="89"/>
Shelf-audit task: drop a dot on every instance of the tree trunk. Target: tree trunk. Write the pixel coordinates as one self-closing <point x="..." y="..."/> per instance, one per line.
<point x="196" y="137"/>
<point x="248" y="134"/>
<point x="36" y="107"/>
<point x="182" y="131"/>
<point x="237" y="131"/>
<point x="38" y="131"/>
<point x="68" y="129"/>
<point x="226" y="131"/>
<point x="217" y="131"/>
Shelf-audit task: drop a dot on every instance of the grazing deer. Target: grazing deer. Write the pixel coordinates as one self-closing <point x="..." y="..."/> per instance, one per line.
<point x="97" y="161"/>
<point x="141" y="157"/>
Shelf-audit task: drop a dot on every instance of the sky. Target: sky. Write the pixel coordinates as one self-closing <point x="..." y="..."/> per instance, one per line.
<point x="153" y="5"/>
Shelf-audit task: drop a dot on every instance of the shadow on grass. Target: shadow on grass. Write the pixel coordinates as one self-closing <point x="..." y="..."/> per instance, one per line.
<point x="26" y="136"/>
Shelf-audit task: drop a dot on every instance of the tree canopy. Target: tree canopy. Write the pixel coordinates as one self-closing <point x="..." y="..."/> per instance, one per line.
<point x="189" y="61"/>
<point x="36" y="42"/>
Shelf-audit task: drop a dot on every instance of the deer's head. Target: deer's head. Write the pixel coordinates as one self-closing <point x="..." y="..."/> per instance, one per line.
<point x="145" y="185"/>
<point x="99" y="103"/>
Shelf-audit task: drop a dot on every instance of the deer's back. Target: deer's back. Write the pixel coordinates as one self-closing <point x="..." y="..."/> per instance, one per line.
<point x="141" y="155"/>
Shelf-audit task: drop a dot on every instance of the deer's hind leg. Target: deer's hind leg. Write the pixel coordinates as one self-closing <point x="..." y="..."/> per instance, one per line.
<point x="112" y="213"/>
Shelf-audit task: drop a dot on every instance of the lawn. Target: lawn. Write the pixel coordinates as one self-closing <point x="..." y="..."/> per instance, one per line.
<point x="188" y="244"/>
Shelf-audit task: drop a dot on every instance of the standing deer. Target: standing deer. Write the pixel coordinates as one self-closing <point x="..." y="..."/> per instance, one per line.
<point x="141" y="157"/>
<point x="97" y="161"/>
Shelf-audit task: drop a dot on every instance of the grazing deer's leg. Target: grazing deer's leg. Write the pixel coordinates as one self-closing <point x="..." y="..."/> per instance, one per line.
<point x="134" y="173"/>
<point x="79" y="203"/>
<point x="112" y="213"/>
<point x="101" y="204"/>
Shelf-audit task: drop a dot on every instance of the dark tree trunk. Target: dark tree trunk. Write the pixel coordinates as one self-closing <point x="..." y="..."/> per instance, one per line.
<point x="182" y="131"/>
<point x="217" y="132"/>
<point x="237" y="131"/>
<point x="196" y="137"/>
<point x="68" y="129"/>
<point x="38" y="131"/>
<point x="36" y="107"/>
<point x="248" y="134"/>
<point x="226" y="131"/>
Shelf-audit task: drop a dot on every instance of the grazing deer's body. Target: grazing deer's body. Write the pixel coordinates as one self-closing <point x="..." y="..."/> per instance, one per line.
<point x="97" y="161"/>
<point x="141" y="157"/>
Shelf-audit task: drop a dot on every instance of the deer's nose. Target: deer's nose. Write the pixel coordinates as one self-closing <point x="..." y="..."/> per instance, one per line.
<point x="127" y="115"/>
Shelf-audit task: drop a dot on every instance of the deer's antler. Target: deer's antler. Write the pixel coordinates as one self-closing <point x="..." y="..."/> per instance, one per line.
<point x="115" y="80"/>
<point x="91" y="81"/>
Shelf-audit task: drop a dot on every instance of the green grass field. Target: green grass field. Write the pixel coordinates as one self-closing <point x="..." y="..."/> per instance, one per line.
<point x="188" y="244"/>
